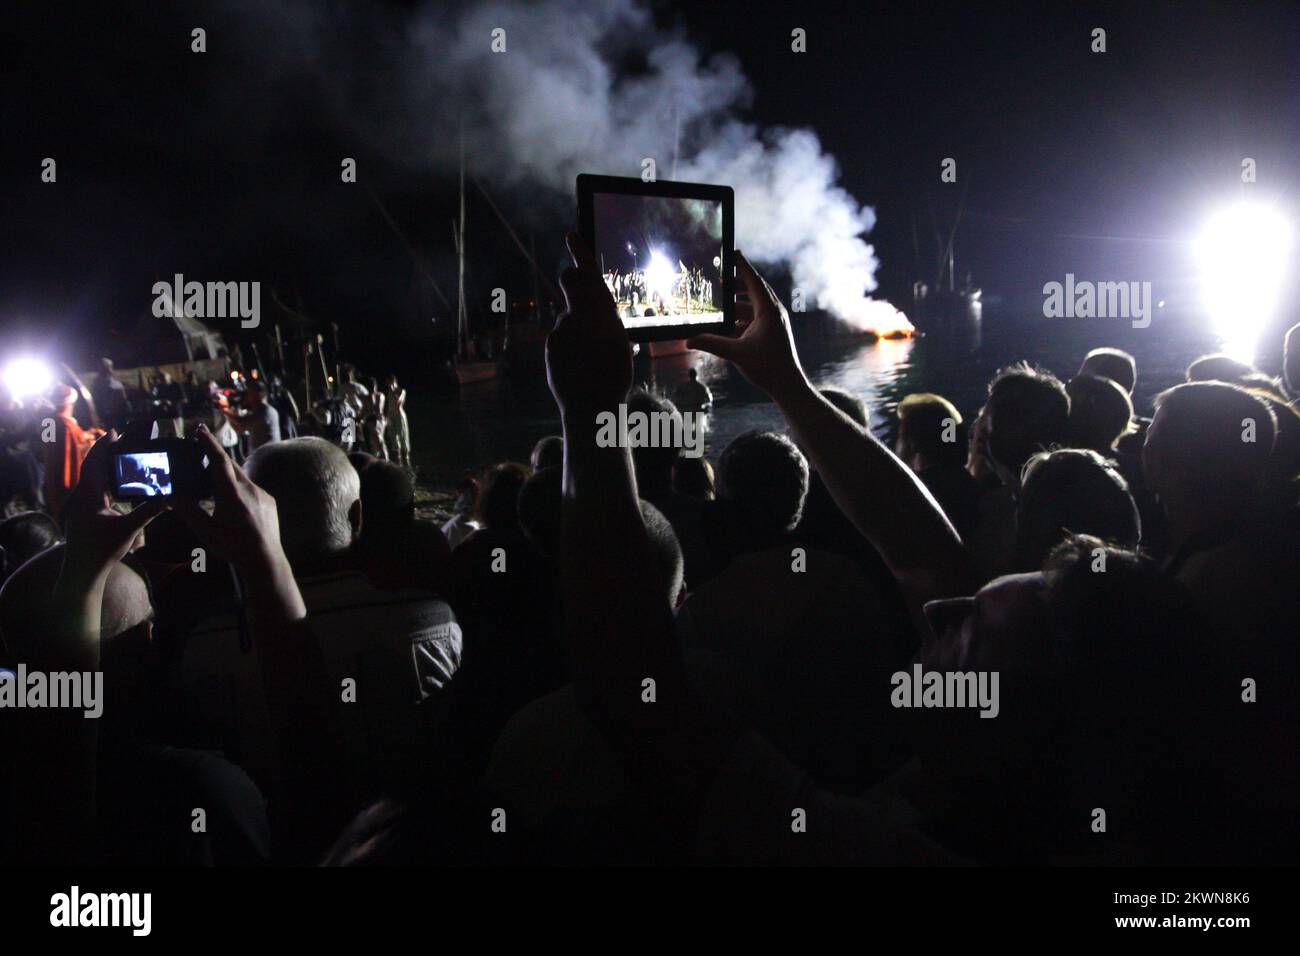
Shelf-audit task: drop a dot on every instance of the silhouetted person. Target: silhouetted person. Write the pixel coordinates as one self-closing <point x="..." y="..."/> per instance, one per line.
<point x="548" y="452"/>
<point x="1028" y="411"/>
<point x="932" y="442"/>
<point x="1100" y="413"/>
<point x="1071" y="491"/>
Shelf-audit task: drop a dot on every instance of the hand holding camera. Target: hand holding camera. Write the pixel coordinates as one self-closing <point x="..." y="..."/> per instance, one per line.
<point x="99" y="536"/>
<point x="244" y="525"/>
<point x="161" y="468"/>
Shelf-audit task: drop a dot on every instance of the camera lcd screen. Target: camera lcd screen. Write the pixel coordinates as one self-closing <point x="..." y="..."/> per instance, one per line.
<point x="664" y="250"/>
<point x="145" y="474"/>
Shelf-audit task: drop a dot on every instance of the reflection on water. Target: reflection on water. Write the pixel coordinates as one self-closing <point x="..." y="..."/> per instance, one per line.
<point x="502" y="418"/>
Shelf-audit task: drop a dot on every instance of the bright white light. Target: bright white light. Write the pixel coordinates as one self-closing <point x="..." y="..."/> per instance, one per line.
<point x="660" y="276"/>
<point x="1242" y="252"/>
<point x="27" y="377"/>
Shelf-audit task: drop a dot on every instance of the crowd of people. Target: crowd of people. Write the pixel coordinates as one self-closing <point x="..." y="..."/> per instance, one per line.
<point x="45" y="436"/>
<point x="614" y="655"/>
<point x="660" y="289"/>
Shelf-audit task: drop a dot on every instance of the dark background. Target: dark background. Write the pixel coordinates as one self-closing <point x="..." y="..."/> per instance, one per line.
<point x="1103" y="165"/>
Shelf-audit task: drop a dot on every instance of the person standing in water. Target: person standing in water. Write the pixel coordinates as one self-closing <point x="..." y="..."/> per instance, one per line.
<point x="398" y="432"/>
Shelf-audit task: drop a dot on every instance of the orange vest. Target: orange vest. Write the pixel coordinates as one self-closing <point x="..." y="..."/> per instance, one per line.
<point x="63" y="462"/>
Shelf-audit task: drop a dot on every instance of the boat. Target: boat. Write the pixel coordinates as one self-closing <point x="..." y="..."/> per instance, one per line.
<point x="946" y="311"/>
<point x="469" y="372"/>
<point x="941" y="308"/>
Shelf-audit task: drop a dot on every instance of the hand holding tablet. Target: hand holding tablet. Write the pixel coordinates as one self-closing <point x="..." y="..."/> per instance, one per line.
<point x="665" y="252"/>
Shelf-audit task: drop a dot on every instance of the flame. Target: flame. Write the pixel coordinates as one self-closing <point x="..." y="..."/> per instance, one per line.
<point x="875" y="316"/>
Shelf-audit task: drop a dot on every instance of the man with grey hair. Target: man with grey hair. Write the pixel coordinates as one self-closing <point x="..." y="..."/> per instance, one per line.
<point x="318" y="495"/>
<point x="386" y="650"/>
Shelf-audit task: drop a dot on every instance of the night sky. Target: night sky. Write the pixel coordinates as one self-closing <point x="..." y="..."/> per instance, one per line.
<point x="218" y="166"/>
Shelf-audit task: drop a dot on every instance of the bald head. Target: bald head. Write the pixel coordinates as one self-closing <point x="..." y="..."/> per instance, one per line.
<point x="317" y="493"/>
<point x="26" y="603"/>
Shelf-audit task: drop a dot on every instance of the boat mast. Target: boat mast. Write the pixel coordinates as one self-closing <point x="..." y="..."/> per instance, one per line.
<point x="462" y="317"/>
<point x="537" y="292"/>
<point x="677" y="137"/>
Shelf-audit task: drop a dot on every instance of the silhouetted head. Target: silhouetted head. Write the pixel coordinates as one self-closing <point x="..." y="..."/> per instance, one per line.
<point x="763" y="478"/>
<point x="654" y="466"/>
<point x="540" y="502"/>
<point x="693" y="477"/>
<point x="498" y="505"/>
<point x="1114" y="364"/>
<point x="1217" y="367"/>
<point x="1028" y="411"/>
<point x="547" y="452"/>
<point x="1071" y="491"/>
<point x="24" y="536"/>
<point x="1208" y="449"/>
<point x="1093" y="656"/>
<point x="930" y="432"/>
<point x="468" y="490"/>
<point x="1285" y="461"/>
<point x="1101" y="412"/>
<point x="387" y="500"/>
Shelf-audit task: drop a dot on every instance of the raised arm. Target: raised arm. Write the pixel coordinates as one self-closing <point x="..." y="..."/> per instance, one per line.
<point x="883" y="498"/>
<point x="244" y="529"/>
<point x="730" y="794"/>
<point x="616" y="610"/>
<point x="57" y="786"/>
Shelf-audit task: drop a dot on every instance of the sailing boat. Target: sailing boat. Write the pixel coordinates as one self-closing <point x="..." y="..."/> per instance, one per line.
<point x="950" y="311"/>
<point x="467" y="367"/>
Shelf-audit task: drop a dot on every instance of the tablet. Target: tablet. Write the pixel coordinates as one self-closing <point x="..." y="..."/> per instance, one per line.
<point x="665" y="250"/>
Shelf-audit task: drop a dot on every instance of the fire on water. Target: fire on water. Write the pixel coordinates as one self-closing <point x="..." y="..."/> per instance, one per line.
<point x="876" y="317"/>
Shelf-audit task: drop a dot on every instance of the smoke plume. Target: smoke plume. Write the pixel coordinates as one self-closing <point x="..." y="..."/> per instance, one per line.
<point x="601" y="87"/>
